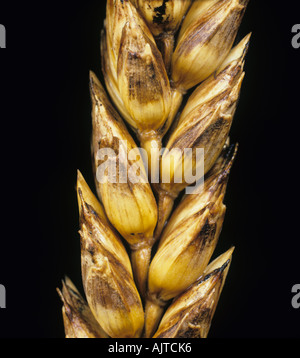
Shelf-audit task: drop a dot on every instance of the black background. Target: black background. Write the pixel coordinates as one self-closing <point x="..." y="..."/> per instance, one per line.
<point x="45" y="138"/>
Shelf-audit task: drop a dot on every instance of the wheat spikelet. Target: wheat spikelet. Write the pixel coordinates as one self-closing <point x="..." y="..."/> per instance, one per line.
<point x="157" y="55"/>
